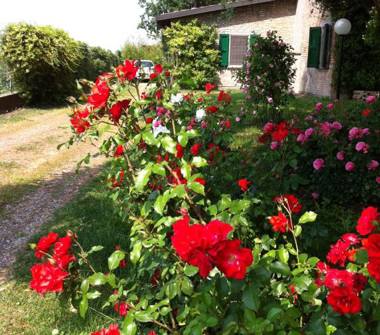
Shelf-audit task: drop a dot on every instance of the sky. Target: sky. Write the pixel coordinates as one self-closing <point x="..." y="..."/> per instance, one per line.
<point x="104" y="23"/>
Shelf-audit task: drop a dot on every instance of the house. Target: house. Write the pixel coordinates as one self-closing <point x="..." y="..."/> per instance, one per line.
<point x="307" y="29"/>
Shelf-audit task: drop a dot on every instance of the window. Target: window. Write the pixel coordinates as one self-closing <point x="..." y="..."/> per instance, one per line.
<point x="320" y="47"/>
<point x="233" y="49"/>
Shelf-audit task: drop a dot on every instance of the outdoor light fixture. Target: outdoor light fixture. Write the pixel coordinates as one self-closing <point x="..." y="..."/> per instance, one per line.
<point x="342" y="28"/>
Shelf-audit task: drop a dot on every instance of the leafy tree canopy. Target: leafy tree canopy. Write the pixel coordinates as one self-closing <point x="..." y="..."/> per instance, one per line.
<point x="156" y="7"/>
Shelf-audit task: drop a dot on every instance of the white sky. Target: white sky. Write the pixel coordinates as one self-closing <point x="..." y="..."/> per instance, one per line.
<point x="104" y="23"/>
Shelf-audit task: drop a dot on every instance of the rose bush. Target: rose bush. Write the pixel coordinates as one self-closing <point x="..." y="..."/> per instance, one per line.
<point x="193" y="263"/>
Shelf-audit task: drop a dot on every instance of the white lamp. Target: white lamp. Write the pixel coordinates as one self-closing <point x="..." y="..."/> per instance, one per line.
<point x="343" y="27"/>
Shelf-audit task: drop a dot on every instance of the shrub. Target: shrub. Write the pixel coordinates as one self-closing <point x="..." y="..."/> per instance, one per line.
<point x="43" y="61"/>
<point x="193" y="264"/>
<point x="267" y="74"/>
<point x="191" y="49"/>
<point x="140" y="51"/>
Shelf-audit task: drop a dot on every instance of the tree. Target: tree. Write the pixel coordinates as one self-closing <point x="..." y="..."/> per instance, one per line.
<point x="140" y="50"/>
<point x="156" y="7"/>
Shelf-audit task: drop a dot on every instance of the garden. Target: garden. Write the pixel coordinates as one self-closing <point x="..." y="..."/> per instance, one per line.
<point x="217" y="212"/>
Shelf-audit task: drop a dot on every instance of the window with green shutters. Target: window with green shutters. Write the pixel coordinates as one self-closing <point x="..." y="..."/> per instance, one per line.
<point x="224" y="46"/>
<point x="314" y="47"/>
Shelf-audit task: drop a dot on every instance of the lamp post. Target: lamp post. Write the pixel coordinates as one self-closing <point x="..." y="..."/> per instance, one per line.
<point x="342" y="28"/>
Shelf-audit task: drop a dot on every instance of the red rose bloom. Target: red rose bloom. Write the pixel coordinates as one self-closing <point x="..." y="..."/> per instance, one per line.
<point x="112" y="330"/>
<point x="344" y="301"/>
<point x="281" y="132"/>
<point x="44" y="244"/>
<point x="368" y="217"/>
<point x="195" y="149"/>
<point x="339" y="279"/>
<point x="209" y="87"/>
<point x="212" y="109"/>
<point x="119" y="151"/>
<point x="360" y="282"/>
<point x="127" y="71"/>
<point x="152" y="332"/>
<point x="62" y="246"/>
<point x="78" y="121"/>
<point x="179" y="153"/>
<point x="153" y="76"/>
<point x="224" y="97"/>
<point x="290" y="201"/>
<point x="244" y="184"/>
<point x="232" y="259"/>
<point x="149" y="120"/>
<point x="64" y="260"/>
<point x="47" y="278"/>
<point x="201" y="181"/>
<point x="374" y="269"/>
<point x="372" y="245"/>
<point x="279" y="223"/>
<point x="158" y="68"/>
<point x="227" y="124"/>
<point x="159" y="95"/>
<point x="121" y="308"/>
<point x="366" y="112"/>
<point x="117" y="109"/>
<point x="99" y="94"/>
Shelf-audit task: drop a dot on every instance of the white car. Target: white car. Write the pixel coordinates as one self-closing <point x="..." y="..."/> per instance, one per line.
<point x="146" y="69"/>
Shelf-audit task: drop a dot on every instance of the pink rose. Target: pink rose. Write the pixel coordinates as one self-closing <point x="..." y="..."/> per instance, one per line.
<point x="350" y="166"/>
<point x="353" y="133"/>
<point x="362" y="147"/>
<point x="237" y="119"/>
<point x="309" y="132"/>
<point x="373" y="165"/>
<point x="378" y="180"/>
<point x="318" y="164"/>
<point x="315" y="195"/>
<point x="340" y="156"/>
<point x="274" y="145"/>
<point x="301" y="138"/>
<point x="269" y="127"/>
<point x="337" y="125"/>
<point x="371" y="99"/>
<point x="325" y="128"/>
<point x="319" y="106"/>
<point x="330" y="106"/>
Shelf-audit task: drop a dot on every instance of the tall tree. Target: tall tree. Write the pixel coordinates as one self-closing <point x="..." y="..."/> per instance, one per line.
<point x="156" y="7"/>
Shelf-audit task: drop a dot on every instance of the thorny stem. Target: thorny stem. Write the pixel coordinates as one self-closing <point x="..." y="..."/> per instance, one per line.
<point x="288" y="210"/>
<point x="102" y="314"/>
<point x="82" y="255"/>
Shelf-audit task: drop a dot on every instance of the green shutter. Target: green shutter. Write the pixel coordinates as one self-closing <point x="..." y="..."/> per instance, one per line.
<point x="252" y="40"/>
<point x="314" y="47"/>
<point x="224" y="46"/>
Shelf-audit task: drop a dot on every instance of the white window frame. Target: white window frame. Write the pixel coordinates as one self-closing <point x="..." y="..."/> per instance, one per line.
<point x="229" y="51"/>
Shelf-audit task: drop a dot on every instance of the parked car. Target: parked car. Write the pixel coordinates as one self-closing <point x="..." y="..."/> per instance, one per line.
<point x="146" y="69"/>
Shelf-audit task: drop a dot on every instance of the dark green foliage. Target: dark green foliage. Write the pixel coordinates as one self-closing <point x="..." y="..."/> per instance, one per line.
<point x="153" y="8"/>
<point x="142" y="51"/>
<point x="192" y="50"/>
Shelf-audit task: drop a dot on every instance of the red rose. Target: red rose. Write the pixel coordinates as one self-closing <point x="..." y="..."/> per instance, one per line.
<point x="279" y="223"/>
<point x="216" y="231"/>
<point x="149" y="120"/>
<point x="244" y="184"/>
<point x="339" y="279"/>
<point x="209" y="87"/>
<point x="158" y="68"/>
<point x="212" y="109"/>
<point x="360" y="282"/>
<point x="195" y="149"/>
<point x="374" y="269"/>
<point x="227" y="124"/>
<point x="344" y="301"/>
<point x="281" y="132"/>
<point x="366" y="112"/>
<point x="232" y="259"/>
<point x="121" y="308"/>
<point x="372" y="245"/>
<point x="224" y="97"/>
<point x="338" y="253"/>
<point x="127" y="71"/>
<point x="119" y="151"/>
<point x="62" y="246"/>
<point x="152" y="332"/>
<point x="368" y="217"/>
<point x="159" y="95"/>
<point x="201" y="181"/>
<point x="63" y="261"/>
<point x="77" y="121"/>
<point x="167" y="73"/>
<point x="99" y="94"/>
<point x="44" y="244"/>
<point x="117" y="109"/>
<point x="47" y="278"/>
<point x="153" y="76"/>
<point x="290" y="201"/>
<point x="179" y="153"/>
<point x="111" y="330"/>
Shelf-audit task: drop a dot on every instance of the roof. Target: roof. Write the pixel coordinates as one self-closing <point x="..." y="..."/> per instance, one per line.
<point x="207" y="9"/>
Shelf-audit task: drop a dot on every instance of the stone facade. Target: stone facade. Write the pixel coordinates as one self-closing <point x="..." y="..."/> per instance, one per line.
<point x="292" y="19"/>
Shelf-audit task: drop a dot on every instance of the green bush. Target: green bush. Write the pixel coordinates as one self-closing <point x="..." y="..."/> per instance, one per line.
<point x="191" y="48"/>
<point x="143" y="51"/>
<point x="43" y="61"/>
<point x="268" y="72"/>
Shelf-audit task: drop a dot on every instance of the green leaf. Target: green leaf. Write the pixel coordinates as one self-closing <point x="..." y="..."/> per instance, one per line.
<point x="85" y="285"/>
<point x="361" y="256"/>
<point x="149" y="138"/>
<point x="283" y="255"/>
<point x="115" y="259"/>
<point x="186" y="286"/>
<point x="93" y="295"/>
<point x="95" y="248"/>
<point x="199" y="162"/>
<point x="179" y="192"/>
<point x="136" y="252"/>
<point x="183" y="139"/>
<point x="97" y="279"/>
<point x="143" y="177"/>
<point x="159" y="169"/>
<point x="143" y="316"/>
<point x="171" y="290"/>
<point x="161" y="202"/>
<point x="186" y="170"/>
<point x="297" y="231"/>
<point x="129" y="326"/>
<point x="274" y="313"/>
<point x="169" y="145"/>
<point x="83" y="306"/>
<point x="251" y="298"/>
<point x="197" y="187"/>
<point x="190" y="270"/>
<point x="280" y="268"/>
<point x="307" y="218"/>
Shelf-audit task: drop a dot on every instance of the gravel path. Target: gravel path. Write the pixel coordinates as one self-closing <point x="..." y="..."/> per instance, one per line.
<point x="31" y="147"/>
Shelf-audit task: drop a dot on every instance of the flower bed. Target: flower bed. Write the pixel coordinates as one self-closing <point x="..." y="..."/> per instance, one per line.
<point x="195" y="262"/>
